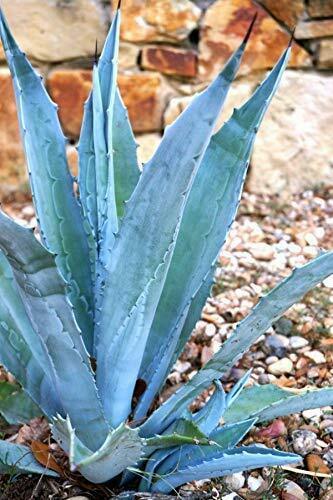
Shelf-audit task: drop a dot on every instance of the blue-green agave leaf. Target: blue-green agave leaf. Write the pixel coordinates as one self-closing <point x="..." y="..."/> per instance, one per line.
<point x="23" y="352"/>
<point x="101" y="154"/>
<point x="253" y="400"/>
<point x="46" y="365"/>
<point x="209" y="212"/>
<point x="267" y="311"/>
<point x="142" y="251"/>
<point x="122" y="448"/>
<point x="266" y="402"/>
<point x="15" y="405"/>
<point x="210" y="415"/>
<point x="126" y="165"/>
<point x="183" y="431"/>
<point x="16" y="458"/>
<point x="165" y="461"/>
<point x="78" y="393"/>
<point x="237" y="389"/>
<point x="213" y="462"/>
<point x="62" y="227"/>
<point x="123" y="151"/>
<point x="41" y="287"/>
<point x="230" y="435"/>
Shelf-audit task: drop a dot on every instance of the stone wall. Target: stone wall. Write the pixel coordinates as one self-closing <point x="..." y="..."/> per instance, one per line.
<point x="171" y="49"/>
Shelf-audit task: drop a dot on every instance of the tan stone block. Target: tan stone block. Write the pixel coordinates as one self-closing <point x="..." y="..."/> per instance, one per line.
<point x="53" y="31"/>
<point x="73" y="159"/>
<point x="314" y="29"/>
<point x="325" y="54"/>
<point x="158" y="20"/>
<point x="12" y="161"/>
<point x="320" y="8"/>
<point x="69" y="88"/>
<point x="240" y="91"/>
<point x="170" y="61"/>
<point x="175" y="107"/>
<point x="145" y="96"/>
<point x="148" y="144"/>
<point x="128" y="55"/>
<point x="286" y="11"/>
<point x="223" y="29"/>
<point x="294" y="148"/>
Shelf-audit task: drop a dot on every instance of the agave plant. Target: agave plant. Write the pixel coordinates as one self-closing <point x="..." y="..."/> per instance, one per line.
<point x="106" y="302"/>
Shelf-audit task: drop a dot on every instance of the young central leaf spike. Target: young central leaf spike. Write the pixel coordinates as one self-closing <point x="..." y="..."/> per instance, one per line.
<point x="120" y="278"/>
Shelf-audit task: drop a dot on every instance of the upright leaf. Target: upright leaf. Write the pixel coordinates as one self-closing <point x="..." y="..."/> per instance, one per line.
<point x="142" y="251"/>
<point x="125" y="162"/>
<point x="210" y="415"/>
<point x="123" y="150"/>
<point x="62" y="227"/>
<point x="266" y="312"/>
<point x="209" y="212"/>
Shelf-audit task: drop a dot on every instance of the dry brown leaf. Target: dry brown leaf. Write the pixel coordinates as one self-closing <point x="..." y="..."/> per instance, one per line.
<point x="37" y="429"/>
<point x="42" y="454"/>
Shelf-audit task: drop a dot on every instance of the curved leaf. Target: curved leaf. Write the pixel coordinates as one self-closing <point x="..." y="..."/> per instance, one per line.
<point x="62" y="227"/>
<point x="267" y="311"/>
<point x="266" y="402"/>
<point x="212" y="462"/>
<point x="41" y="287"/>
<point x="210" y="415"/>
<point x="23" y="352"/>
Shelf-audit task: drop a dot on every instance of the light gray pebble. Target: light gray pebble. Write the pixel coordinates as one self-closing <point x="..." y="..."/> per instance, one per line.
<point x="303" y="441"/>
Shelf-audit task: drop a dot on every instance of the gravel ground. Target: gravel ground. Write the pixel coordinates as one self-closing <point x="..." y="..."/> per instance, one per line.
<point x="266" y="241"/>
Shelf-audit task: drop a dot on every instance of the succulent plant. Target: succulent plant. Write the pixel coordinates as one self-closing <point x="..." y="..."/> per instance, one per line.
<point x="106" y="302"/>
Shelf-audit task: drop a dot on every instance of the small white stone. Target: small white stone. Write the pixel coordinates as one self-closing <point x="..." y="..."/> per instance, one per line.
<point x="230" y="496"/>
<point x="254" y="483"/>
<point x="313" y="414"/>
<point x="311" y="239"/>
<point x="280" y="367"/>
<point x="271" y="359"/>
<point x="235" y="481"/>
<point x="328" y="282"/>
<point x="310" y="252"/>
<point x="28" y="211"/>
<point x="262" y="251"/>
<point x="297" y="342"/>
<point x="210" y="330"/>
<point x="182" y="366"/>
<point x="319" y="233"/>
<point x="316" y="356"/>
<point x="321" y="443"/>
<point x="80" y="497"/>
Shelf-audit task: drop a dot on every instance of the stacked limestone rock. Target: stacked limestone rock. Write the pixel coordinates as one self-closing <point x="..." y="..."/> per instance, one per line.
<point x="170" y="50"/>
